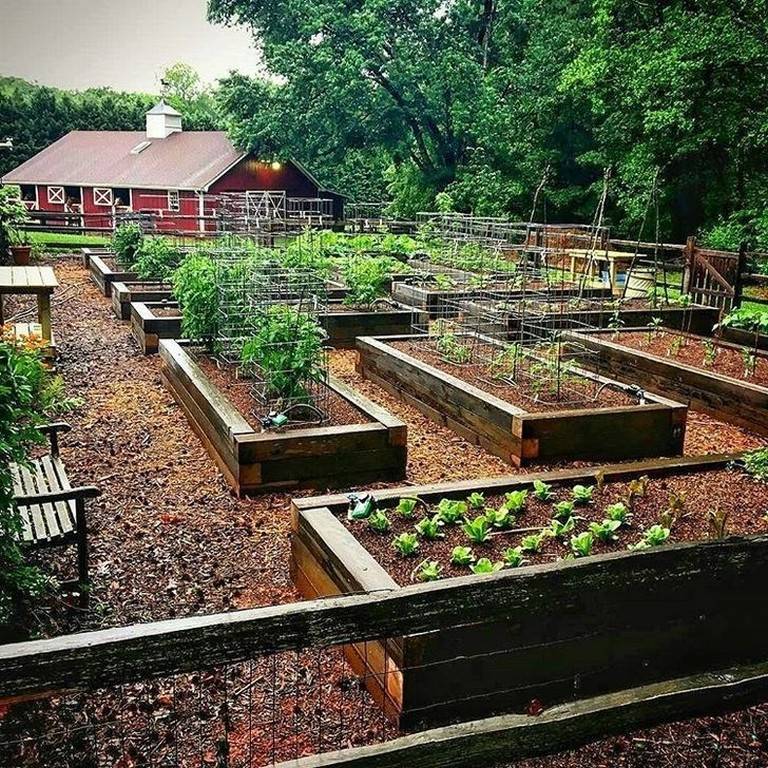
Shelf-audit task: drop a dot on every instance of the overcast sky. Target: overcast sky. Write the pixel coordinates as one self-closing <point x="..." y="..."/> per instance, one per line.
<point x="125" y="44"/>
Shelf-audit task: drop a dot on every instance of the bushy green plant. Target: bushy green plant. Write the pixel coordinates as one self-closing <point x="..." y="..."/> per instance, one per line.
<point x="406" y="507"/>
<point x="515" y="501"/>
<point x="564" y="509"/>
<point x="533" y="542"/>
<point x="477" y="530"/>
<point x="605" y="530"/>
<point x="618" y="512"/>
<point x="366" y="278"/>
<point x="462" y="556"/>
<point x="542" y="491"/>
<point x="499" y="518"/>
<point x="13" y="215"/>
<point x="654" y="536"/>
<point x="756" y="464"/>
<point x="429" y="570"/>
<point x="582" y="494"/>
<point x="287" y="349"/>
<point x="430" y="528"/>
<point x="476" y="500"/>
<point x="126" y="242"/>
<point x="194" y="287"/>
<point x="484" y="565"/>
<point x="513" y="557"/>
<point x="451" y="511"/>
<point x="379" y="522"/>
<point x="581" y="544"/>
<point x="405" y="544"/>
<point x="23" y="381"/>
<point x="559" y="529"/>
<point x="157" y="259"/>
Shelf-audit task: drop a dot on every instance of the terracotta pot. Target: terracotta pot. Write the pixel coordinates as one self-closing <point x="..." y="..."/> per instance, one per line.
<point x="21" y="254"/>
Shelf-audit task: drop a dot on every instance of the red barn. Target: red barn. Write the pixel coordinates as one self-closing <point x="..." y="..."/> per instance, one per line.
<point x="181" y="178"/>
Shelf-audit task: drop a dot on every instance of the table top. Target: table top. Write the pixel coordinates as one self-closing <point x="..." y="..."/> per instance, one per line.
<point x="27" y="280"/>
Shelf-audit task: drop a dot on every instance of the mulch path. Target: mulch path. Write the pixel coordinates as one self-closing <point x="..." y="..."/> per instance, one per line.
<point x="168" y="539"/>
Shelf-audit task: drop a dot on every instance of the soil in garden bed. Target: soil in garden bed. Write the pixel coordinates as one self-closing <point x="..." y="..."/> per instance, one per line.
<point x="166" y="311"/>
<point x="238" y="391"/>
<point x="150" y="285"/>
<point x="698" y="352"/>
<point x="576" y="392"/>
<point x="729" y="492"/>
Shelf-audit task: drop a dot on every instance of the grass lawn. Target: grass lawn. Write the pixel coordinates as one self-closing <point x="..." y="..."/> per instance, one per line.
<point x="72" y="239"/>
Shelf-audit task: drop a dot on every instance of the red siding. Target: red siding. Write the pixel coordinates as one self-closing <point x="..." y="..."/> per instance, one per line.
<point x="250" y="174"/>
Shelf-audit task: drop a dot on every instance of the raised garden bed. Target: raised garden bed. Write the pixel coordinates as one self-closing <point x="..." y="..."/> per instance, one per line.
<point x="444" y="302"/>
<point x="610" y="429"/>
<point x="673" y="363"/>
<point x="744" y="338"/>
<point x="154" y="320"/>
<point x="537" y="317"/>
<point x="610" y="621"/>
<point x="86" y="253"/>
<point x="371" y="447"/>
<point x="105" y="271"/>
<point x="345" y="324"/>
<point x="123" y="294"/>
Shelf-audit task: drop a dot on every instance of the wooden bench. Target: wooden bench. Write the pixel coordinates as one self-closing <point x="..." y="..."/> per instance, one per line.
<point x="52" y="511"/>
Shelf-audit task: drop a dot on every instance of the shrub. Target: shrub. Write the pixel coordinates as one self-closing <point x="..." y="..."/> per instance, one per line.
<point x="366" y="278"/>
<point x="194" y="286"/>
<point x="13" y="214"/>
<point x="24" y="381"/>
<point x="157" y="259"/>
<point x="126" y="242"/>
<point x="287" y="350"/>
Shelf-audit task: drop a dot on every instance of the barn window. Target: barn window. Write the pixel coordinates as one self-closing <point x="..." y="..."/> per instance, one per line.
<point x="102" y="196"/>
<point x="56" y="195"/>
<point x="173" y="199"/>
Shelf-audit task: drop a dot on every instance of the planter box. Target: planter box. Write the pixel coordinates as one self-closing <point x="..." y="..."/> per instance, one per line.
<point x="519" y="437"/>
<point x="148" y="327"/>
<point x="86" y="253"/>
<point x="105" y="271"/>
<point x="315" y="457"/>
<point x="744" y="338"/>
<point x="344" y="327"/>
<point x="147" y="290"/>
<point x="487" y="319"/>
<point x="727" y="399"/>
<point x="572" y="629"/>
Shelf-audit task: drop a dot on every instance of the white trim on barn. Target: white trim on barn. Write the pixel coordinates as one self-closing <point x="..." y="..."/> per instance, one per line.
<point x="174" y="201"/>
<point x="55" y="195"/>
<point x="102" y="196"/>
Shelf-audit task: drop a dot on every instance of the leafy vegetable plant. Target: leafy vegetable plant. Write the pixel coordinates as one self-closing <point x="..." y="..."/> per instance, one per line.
<point x="499" y="518"/>
<point x="559" y="530"/>
<point x="606" y="530"/>
<point x="534" y="541"/>
<point x="366" y="278"/>
<point x="449" y="346"/>
<point x="582" y="494"/>
<point x="157" y="259"/>
<point x="542" y="491"/>
<point x="405" y="544"/>
<point x="429" y="570"/>
<point x="451" y="511"/>
<point x="462" y="556"/>
<point x="618" y="512"/>
<point x="581" y="544"/>
<point x="756" y="464"/>
<point x="477" y="530"/>
<point x="515" y="501"/>
<point x="194" y="286"/>
<point x="379" y="522"/>
<point x="430" y="528"/>
<point x="476" y="500"/>
<point x="564" y="509"/>
<point x="513" y="557"/>
<point x="484" y="565"/>
<point x="406" y="507"/>
<point x="125" y="242"/>
<point x="654" y="536"/>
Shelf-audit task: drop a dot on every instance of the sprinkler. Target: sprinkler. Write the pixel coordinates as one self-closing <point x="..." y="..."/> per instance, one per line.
<point x="361" y="506"/>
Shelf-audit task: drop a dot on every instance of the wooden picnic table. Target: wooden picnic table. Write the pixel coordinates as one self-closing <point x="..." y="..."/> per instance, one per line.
<point x="40" y="281"/>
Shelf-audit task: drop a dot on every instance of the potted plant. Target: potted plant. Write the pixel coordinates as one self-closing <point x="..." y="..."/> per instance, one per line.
<point x="13" y="214"/>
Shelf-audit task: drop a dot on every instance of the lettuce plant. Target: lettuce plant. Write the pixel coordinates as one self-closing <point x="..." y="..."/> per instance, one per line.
<point x="533" y="542"/>
<point x="559" y="529"/>
<point x="405" y="544"/>
<point x="451" y="512"/>
<point x="477" y="530"/>
<point x="655" y="536"/>
<point x="484" y="565"/>
<point x="406" y="507"/>
<point x="542" y="491"/>
<point x="756" y="464"/>
<point x="499" y="518"/>
<point x="513" y="557"/>
<point x="429" y="570"/>
<point x="581" y="544"/>
<point x="462" y="556"/>
<point x="476" y="500"/>
<point x="564" y="510"/>
<point x="606" y="530"/>
<point x="582" y="494"/>
<point x="618" y="512"/>
<point x="430" y="527"/>
<point x="515" y="501"/>
<point x="379" y="522"/>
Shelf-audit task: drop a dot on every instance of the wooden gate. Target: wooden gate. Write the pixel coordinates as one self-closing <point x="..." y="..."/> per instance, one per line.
<point x="713" y="278"/>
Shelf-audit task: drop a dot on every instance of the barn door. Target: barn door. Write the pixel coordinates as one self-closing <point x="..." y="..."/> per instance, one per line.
<point x="264" y="204"/>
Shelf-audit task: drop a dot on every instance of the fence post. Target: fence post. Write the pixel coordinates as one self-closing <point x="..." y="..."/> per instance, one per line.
<point x="688" y="251"/>
<point x="738" y="285"/>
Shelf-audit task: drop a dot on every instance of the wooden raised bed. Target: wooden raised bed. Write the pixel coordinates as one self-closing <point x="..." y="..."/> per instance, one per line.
<point x="148" y="327"/>
<point x="738" y="402"/>
<point x="580" y="627"/>
<point x="700" y="320"/>
<point x="744" y="338"/>
<point x="123" y="294"/>
<point x="105" y="271"/>
<point x="625" y="432"/>
<point x="316" y="457"/>
<point x="86" y="253"/>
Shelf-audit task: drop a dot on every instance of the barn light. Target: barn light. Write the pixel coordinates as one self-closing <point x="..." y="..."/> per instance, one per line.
<point x="276" y="166"/>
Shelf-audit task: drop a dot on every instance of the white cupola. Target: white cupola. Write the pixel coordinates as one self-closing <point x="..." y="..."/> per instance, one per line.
<point x="162" y="121"/>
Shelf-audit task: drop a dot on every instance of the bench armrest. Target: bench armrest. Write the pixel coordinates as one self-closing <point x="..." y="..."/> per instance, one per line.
<point x="71" y="494"/>
<point x="52" y="430"/>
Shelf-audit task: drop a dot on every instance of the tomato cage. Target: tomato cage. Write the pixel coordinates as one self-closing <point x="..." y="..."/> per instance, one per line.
<point x="268" y="329"/>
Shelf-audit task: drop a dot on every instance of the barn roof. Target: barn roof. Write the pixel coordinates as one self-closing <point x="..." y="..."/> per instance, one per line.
<point x="189" y="160"/>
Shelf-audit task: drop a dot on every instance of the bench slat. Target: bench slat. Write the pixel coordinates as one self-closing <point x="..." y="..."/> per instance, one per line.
<point x="38" y="524"/>
<point x="65" y="511"/>
<point x="49" y="513"/>
<point x="18" y="490"/>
